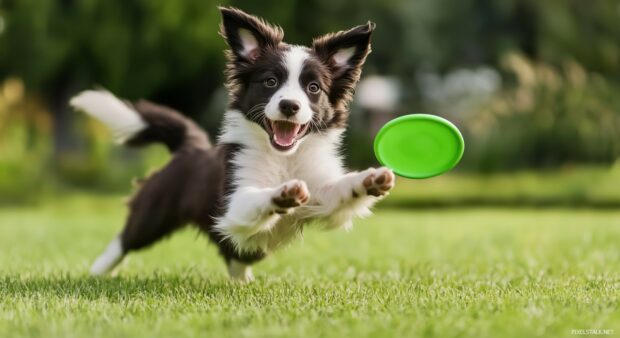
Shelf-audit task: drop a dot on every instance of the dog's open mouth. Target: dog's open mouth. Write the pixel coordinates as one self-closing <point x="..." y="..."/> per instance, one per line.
<point x="284" y="134"/>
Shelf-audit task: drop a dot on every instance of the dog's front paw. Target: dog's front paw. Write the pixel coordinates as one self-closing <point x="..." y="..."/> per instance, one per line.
<point x="378" y="182"/>
<point x="289" y="195"/>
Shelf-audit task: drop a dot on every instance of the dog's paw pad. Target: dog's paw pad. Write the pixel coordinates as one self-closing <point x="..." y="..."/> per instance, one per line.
<point x="379" y="182"/>
<point x="290" y="195"/>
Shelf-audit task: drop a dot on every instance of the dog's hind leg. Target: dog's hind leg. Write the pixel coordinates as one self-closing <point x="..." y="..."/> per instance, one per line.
<point x="109" y="259"/>
<point x="240" y="271"/>
<point x="144" y="227"/>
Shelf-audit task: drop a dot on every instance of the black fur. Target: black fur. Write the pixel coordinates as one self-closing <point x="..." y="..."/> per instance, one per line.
<point x="245" y="75"/>
<point x="344" y="78"/>
<point x="192" y="187"/>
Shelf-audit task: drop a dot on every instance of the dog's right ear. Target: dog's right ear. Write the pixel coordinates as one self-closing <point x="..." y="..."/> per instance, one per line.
<point x="247" y="35"/>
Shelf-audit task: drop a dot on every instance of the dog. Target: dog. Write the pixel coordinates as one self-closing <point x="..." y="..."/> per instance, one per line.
<point x="276" y="166"/>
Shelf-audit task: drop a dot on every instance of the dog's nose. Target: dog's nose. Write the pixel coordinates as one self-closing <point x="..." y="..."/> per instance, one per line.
<point x="289" y="107"/>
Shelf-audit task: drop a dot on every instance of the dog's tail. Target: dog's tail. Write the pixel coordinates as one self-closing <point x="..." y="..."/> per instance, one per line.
<point x="141" y="123"/>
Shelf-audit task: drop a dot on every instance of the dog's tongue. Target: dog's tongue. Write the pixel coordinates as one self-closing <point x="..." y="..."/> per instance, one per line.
<point x="284" y="132"/>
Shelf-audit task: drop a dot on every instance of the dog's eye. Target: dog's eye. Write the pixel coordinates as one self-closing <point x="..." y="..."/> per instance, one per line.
<point x="271" y="82"/>
<point x="313" y="88"/>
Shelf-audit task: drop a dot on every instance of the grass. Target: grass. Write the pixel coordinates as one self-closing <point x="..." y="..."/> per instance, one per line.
<point x="579" y="186"/>
<point x="436" y="273"/>
<point x="582" y="186"/>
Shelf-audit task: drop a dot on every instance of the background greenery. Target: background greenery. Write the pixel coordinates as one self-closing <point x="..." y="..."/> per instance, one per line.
<point x="532" y="84"/>
<point x="521" y="239"/>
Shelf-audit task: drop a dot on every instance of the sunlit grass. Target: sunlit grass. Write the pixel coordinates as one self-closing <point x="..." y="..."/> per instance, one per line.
<point x="570" y="186"/>
<point x="435" y="273"/>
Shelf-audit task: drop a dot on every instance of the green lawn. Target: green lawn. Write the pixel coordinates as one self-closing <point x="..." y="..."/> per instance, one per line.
<point x="595" y="187"/>
<point x="435" y="273"/>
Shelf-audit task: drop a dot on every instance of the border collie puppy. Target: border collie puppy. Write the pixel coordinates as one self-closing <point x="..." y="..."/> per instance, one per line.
<point x="276" y="166"/>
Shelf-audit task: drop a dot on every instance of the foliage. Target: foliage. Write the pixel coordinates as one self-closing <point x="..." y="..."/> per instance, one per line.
<point x="557" y="104"/>
<point x="21" y="170"/>
<point x="133" y="47"/>
<point x="28" y="171"/>
<point x="554" y="116"/>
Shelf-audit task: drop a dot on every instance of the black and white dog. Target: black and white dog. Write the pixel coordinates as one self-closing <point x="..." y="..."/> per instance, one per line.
<point x="276" y="166"/>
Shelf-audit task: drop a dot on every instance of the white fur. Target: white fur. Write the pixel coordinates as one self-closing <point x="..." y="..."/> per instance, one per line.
<point x="248" y="42"/>
<point x="123" y="121"/>
<point x="109" y="259"/>
<point x="291" y="89"/>
<point x="240" y="271"/>
<point x="260" y="173"/>
<point x="342" y="56"/>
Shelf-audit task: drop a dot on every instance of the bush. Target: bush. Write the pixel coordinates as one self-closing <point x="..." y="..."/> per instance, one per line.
<point x="552" y="117"/>
<point x="29" y="167"/>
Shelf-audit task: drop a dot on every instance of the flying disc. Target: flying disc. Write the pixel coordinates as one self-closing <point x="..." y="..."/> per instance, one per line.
<point x="419" y="145"/>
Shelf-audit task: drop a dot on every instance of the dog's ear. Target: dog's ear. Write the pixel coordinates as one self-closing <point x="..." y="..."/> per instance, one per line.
<point x="344" y="54"/>
<point x="247" y="35"/>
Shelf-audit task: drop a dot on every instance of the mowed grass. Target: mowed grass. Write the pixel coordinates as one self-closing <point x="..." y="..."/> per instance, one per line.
<point x="399" y="273"/>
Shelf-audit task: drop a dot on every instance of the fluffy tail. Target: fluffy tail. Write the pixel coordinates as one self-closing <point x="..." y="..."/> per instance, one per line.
<point x="142" y="122"/>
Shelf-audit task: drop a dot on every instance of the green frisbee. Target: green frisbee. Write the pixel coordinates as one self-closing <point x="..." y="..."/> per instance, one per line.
<point x="419" y="145"/>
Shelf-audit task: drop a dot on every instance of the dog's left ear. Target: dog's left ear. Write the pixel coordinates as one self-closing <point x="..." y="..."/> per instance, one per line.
<point x="247" y="35"/>
<point x="344" y="54"/>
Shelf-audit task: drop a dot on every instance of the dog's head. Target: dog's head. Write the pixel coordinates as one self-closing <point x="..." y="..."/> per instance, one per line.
<point x="291" y="91"/>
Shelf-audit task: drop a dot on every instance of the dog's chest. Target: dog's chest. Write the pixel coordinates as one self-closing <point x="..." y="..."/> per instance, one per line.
<point x="264" y="169"/>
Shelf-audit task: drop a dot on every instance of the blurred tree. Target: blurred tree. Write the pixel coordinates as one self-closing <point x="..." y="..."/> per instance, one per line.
<point x="586" y="31"/>
<point x="169" y="50"/>
<point x="555" y="116"/>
